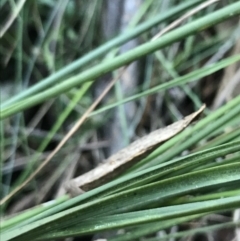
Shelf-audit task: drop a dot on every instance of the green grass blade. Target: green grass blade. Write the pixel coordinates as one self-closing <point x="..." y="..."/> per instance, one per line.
<point x="134" y="218"/>
<point x="141" y="197"/>
<point x="193" y="76"/>
<point x="102" y="50"/>
<point x="107" y="66"/>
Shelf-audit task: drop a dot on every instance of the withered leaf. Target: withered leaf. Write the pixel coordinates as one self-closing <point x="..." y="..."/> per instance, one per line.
<point x="125" y="158"/>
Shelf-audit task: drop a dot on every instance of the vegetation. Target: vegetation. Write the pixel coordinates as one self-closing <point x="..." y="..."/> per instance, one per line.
<point x="81" y="80"/>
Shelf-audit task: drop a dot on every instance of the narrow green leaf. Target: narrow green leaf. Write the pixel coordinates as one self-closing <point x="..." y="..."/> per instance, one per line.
<point x="107" y="66"/>
<point x="102" y="50"/>
<point x="193" y="76"/>
<point x="130" y="219"/>
<point x="144" y="177"/>
<point x="136" y="198"/>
